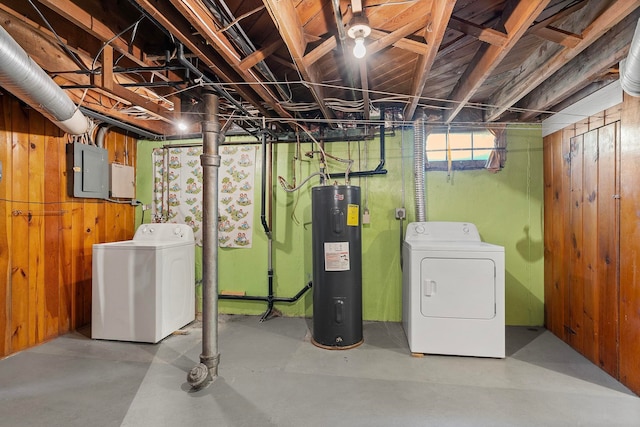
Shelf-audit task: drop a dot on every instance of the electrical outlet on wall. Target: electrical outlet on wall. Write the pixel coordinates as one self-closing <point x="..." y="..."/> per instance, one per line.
<point x="366" y="218"/>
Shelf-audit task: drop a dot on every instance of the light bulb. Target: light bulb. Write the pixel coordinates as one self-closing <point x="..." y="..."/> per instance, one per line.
<point x="182" y="125"/>
<point x="359" y="50"/>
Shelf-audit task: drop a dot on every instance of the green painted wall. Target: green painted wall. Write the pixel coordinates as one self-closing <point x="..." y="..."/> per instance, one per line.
<point x="506" y="207"/>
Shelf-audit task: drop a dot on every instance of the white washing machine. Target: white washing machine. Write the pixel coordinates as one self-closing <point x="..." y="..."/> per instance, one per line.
<point x="144" y="289"/>
<point x="452" y="291"/>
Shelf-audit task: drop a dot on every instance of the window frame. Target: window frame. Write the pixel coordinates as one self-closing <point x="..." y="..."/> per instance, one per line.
<point x="443" y="165"/>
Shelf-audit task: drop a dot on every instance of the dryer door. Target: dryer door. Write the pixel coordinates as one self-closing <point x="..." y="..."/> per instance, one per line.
<point x="463" y="288"/>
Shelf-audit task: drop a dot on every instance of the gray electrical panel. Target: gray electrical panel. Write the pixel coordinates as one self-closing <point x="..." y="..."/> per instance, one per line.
<point x="87" y="171"/>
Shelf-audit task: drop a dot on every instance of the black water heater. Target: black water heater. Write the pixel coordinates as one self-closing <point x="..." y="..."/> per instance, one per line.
<point x="337" y="266"/>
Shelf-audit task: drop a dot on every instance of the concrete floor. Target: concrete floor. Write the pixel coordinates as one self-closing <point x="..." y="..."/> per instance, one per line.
<point x="271" y="375"/>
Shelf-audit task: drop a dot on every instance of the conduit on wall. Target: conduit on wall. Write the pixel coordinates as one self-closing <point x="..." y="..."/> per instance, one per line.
<point x="21" y="76"/>
<point x="418" y="168"/>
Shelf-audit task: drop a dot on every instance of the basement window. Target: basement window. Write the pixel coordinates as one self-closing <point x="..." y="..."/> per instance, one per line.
<point x="467" y="149"/>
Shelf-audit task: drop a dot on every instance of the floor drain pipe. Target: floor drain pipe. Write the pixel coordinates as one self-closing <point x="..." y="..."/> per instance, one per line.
<point x="207" y="370"/>
<point x="418" y="171"/>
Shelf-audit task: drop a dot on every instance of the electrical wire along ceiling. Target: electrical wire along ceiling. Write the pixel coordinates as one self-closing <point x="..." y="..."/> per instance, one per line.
<point x="146" y="63"/>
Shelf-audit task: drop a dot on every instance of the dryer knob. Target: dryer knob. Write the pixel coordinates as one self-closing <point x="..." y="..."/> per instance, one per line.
<point x="419" y="229"/>
<point x="465" y="229"/>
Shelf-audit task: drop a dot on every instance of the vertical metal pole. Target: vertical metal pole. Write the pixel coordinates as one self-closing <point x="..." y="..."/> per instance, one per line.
<point x="206" y="372"/>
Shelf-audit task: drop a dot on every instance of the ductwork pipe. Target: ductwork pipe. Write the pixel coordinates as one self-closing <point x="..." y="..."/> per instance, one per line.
<point x="207" y="370"/>
<point x="418" y="169"/>
<point x="21" y="76"/>
<point x="630" y="67"/>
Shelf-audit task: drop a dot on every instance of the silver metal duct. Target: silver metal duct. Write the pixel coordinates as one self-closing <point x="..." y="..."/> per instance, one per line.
<point x="630" y="67"/>
<point x="207" y="370"/>
<point x="418" y="169"/>
<point x="21" y="76"/>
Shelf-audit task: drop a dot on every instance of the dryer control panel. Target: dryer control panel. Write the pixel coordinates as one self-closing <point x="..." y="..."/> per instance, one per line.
<point x="434" y="231"/>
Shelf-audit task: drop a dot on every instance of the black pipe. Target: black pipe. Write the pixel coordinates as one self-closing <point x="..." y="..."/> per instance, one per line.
<point x="270" y="298"/>
<point x="141" y="133"/>
<point x="379" y="170"/>
<point x="185" y="62"/>
<point x="294" y="298"/>
<point x="263" y="187"/>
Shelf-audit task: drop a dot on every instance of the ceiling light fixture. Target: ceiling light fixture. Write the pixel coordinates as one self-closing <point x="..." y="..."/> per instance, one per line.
<point x="358" y="30"/>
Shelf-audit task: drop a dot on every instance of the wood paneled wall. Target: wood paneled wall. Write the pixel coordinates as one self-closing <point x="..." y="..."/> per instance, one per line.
<point x="46" y="237"/>
<point x="592" y="239"/>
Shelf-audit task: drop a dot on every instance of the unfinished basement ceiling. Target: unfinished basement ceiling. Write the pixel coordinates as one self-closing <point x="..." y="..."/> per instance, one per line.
<point x="146" y="62"/>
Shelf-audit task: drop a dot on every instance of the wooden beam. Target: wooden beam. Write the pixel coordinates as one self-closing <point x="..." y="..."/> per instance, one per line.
<point x="517" y="88"/>
<point x="107" y="67"/>
<point x="405" y="44"/>
<point x="260" y="55"/>
<point x="560" y="15"/>
<point x="488" y="58"/>
<point x="606" y="52"/>
<point x="557" y="35"/>
<point x="388" y="39"/>
<point x="45" y="51"/>
<point x="439" y="18"/>
<point x="325" y="47"/>
<point x="94" y="26"/>
<point x="202" y="20"/>
<point x="487" y="35"/>
<point x="179" y="28"/>
<point x="286" y="19"/>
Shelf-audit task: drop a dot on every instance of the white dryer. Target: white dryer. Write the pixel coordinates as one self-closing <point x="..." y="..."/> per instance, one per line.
<point x="144" y="289"/>
<point x="452" y="291"/>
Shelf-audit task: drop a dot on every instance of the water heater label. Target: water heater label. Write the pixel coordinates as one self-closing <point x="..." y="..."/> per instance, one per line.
<point x="336" y="256"/>
<point x="353" y="215"/>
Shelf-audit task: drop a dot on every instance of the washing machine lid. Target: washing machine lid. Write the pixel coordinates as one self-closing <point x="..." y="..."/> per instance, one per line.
<point x="140" y="245"/>
<point x="164" y="232"/>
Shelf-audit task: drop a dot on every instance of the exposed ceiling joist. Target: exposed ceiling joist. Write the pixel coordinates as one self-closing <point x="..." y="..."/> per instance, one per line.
<point x="439" y="18"/>
<point x="605" y="53"/>
<point x="387" y="39"/>
<point x="94" y="26"/>
<point x="404" y="43"/>
<point x="286" y="19"/>
<point x="516" y="89"/>
<point x="162" y="13"/>
<point x="487" y="35"/>
<point x="202" y="20"/>
<point x="50" y="56"/>
<point x="488" y="57"/>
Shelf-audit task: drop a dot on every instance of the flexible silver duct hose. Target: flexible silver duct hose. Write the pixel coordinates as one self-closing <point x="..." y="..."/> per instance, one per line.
<point x="21" y="76"/>
<point x="630" y="67"/>
<point x="418" y="168"/>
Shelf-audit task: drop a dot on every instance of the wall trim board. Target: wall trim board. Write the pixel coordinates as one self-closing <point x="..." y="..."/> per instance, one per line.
<point x="598" y="101"/>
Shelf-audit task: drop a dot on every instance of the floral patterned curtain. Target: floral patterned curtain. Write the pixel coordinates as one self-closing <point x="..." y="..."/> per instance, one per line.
<point x="177" y="193"/>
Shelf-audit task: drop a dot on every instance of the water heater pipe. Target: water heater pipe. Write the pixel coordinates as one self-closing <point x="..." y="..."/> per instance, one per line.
<point x="270" y="298"/>
<point x="207" y="371"/>
<point x="418" y="169"/>
<point x="379" y="169"/>
<point x="21" y="76"/>
<point x="630" y="67"/>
